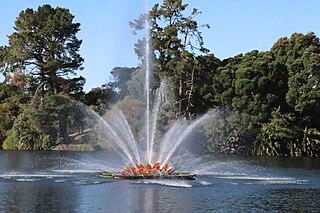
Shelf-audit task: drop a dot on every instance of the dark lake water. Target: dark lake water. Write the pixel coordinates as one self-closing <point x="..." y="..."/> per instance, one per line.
<point x="67" y="182"/>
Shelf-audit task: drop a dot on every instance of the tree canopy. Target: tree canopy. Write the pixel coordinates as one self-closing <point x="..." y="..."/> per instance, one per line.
<point x="175" y="38"/>
<point x="39" y="65"/>
<point x="266" y="102"/>
<point x="274" y="98"/>
<point x="44" y="50"/>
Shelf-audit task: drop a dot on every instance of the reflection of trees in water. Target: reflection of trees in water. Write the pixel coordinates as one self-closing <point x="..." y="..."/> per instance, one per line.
<point x="38" y="197"/>
<point x="154" y="198"/>
<point x="281" y="200"/>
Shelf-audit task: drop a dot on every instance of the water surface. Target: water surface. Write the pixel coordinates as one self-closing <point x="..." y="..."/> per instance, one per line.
<point x="67" y="182"/>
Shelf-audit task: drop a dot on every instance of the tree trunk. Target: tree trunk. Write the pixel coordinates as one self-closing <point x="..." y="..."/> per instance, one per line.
<point x="53" y="82"/>
<point x="180" y="97"/>
<point x="63" y="127"/>
<point x="190" y="93"/>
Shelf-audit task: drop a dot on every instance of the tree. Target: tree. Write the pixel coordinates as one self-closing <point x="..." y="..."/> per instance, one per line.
<point x="133" y="110"/>
<point x="99" y="99"/>
<point x="13" y="100"/>
<point x="46" y="122"/>
<point x="202" y="92"/>
<point x="277" y="135"/>
<point x="121" y="76"/>
<point x="303" y="62"/>
<point x="44" y="45"/>
<point x="253" y="85"/>
<point x="176" y="39"/>
<point x="2" y="56"/>
<point x="135" y="86"/>
<point x="294" y="127"/>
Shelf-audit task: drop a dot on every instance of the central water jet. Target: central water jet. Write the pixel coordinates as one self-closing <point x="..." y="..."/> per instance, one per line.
<point x="157" y="161"/>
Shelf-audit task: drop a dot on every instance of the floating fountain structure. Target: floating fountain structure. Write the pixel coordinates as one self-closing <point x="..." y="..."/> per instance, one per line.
<point x="165" y="157"/>
<point x="150" y="158"/>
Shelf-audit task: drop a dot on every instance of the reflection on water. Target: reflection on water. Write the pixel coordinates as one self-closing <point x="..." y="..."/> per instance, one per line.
<point x="37" y="197"/>
<point x="62" y="182"/>
<point x="281" y="200"/>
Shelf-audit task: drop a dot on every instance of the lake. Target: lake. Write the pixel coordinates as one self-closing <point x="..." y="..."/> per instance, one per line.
<point x="68" y="182"/>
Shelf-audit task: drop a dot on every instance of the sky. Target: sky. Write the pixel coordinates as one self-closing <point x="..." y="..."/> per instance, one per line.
<point x="236" y="26"/>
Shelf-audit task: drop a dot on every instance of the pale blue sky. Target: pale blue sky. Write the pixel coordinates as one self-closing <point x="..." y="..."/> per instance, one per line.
<point x="237" y="26"/>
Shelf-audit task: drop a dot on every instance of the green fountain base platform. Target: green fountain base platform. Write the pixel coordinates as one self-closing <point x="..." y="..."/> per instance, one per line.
<point x="181" y="176"/>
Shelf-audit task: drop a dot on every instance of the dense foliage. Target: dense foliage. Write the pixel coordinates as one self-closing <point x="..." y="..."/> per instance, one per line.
<point x="39" y="67"/>
<point x="274" y="98"/>
<point x="266" y="103"/>
<point x="175" y="38"/>
<point x="46" y="124"/>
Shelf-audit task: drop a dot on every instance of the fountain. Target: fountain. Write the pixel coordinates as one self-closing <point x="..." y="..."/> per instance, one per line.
<point x="156" y="159"/>
<point x="162" y="158"/>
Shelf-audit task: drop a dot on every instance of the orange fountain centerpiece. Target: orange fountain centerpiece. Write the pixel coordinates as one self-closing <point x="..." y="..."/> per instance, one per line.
<point x="148" y="169"/>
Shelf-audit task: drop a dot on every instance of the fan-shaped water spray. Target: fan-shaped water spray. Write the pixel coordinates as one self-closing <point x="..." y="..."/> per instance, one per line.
<point x="157" y="156"/>
<point x="162" y="155"/>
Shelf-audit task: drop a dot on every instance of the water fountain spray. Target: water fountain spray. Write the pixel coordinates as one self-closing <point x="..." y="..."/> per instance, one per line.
<point x="147" y="91"/>
<point x="161" y="165"/>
